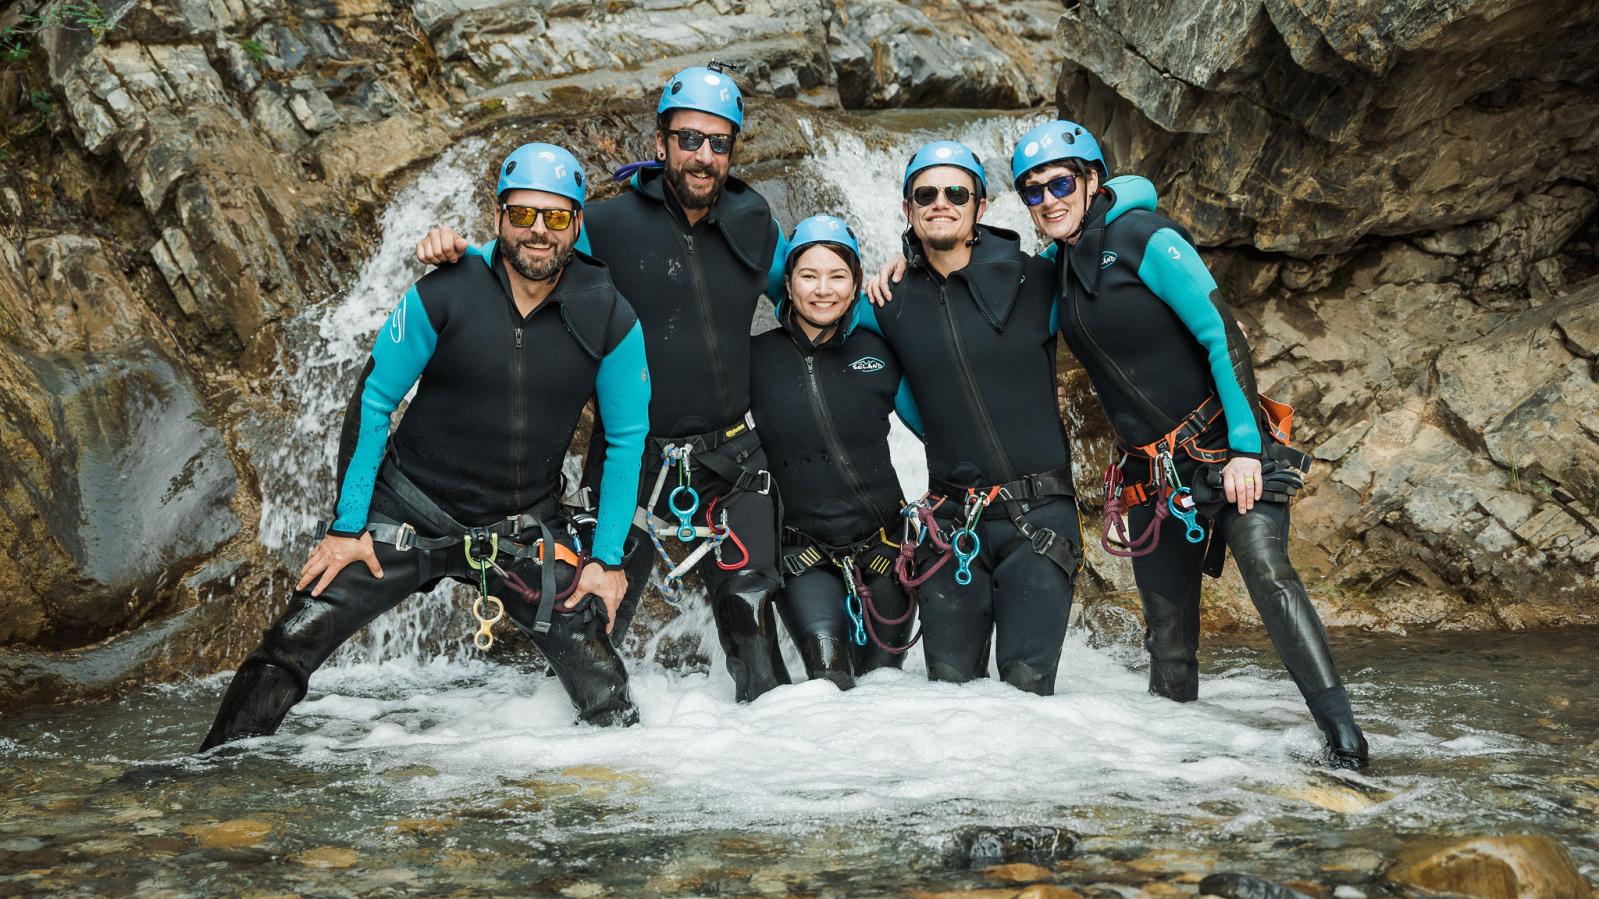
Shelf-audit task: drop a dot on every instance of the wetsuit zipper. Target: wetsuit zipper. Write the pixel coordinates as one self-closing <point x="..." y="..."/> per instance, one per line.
<point x="969" y="380"/>
<point x="703" y="304"/>
<point x="1115" y="370"/>
<point x="835" y="445"/>
<point x="520" y="429"/>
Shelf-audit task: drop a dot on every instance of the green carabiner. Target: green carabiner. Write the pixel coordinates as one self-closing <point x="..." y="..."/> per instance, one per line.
<point x="494" y="550"/>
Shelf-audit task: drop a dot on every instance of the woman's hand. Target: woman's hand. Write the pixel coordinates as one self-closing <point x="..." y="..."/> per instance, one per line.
<point x="609" y="586"/>
<point x="1242" y="482"/>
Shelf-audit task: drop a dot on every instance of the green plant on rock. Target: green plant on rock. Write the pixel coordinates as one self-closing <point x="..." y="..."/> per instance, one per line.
<point x="254" y="49"/>
<point x="70" y="15"/>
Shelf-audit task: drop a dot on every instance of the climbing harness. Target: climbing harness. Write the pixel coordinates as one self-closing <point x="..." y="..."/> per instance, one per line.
<point x="483" y="546"/>
<point x="683" y="455"/>
<point x="1171" y="496"/>
<point x="877" y="554"/>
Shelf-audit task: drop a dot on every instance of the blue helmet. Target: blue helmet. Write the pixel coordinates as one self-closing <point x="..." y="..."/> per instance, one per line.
<point x="543" y="167"/>
<point x="1053" y="142"/>
<point x="706" y="89"/>
<point x="821" y="229"/>
<point x="945" y="152"/>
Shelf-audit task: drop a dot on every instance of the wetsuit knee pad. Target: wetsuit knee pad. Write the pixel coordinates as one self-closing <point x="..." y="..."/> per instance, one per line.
<point x="1257" y="544"/>
<point x="950" y="673"/>
<point x="827" y="657"/>
<point x="751" y="587"/>
<point x="1025" y="677"/>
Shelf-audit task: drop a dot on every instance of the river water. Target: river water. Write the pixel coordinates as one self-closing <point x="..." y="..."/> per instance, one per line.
<point x="417" y="766"/>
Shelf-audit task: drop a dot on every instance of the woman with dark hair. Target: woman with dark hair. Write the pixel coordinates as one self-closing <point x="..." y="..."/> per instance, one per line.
<point x="1204" y="464"/>
<point x="821" y="392"/>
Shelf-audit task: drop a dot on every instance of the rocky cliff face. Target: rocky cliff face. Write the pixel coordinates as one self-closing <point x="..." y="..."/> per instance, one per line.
<point x="1400" y="200"/>
<point x="184" y="176"/>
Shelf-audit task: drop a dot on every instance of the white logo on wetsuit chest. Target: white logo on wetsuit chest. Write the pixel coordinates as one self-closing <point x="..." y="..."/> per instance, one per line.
<point x="868" y="364"/>
<point x="1107" y="258"/>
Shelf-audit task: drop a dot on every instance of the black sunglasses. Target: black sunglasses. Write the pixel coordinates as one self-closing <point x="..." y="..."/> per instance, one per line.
<point x="928" y="195"/>
<point x="1060" y="187"/>
<point x="689" y="140"/>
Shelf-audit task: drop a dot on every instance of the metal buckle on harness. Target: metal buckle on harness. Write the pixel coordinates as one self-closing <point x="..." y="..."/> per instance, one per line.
<point x="767" y="488"/>
<point x="405" y="537"/>
<point x="1042" y="540"/>
<point x="794" y="565"/>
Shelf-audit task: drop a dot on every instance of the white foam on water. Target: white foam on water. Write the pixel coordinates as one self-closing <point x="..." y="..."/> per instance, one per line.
<point x="895" y="745"/>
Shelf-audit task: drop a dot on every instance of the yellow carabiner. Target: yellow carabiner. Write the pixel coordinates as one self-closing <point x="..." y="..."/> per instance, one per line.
<point x="484" y="638"/>
<point x="494" y="550"/>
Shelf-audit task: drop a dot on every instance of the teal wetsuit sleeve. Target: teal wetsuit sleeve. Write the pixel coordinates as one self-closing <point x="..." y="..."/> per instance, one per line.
<point x="1051" y="252"/>
<point x="905" y="407"/>
<point x="866" y="315"/>
<point x="774" y="272"/>
<point x="1172" y="269"/>
<point x="622" y="389"/>
<point x="403" y="348"/>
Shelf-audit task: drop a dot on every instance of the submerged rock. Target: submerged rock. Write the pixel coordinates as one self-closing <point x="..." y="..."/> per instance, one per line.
<point x="1245" y="886"/>
<point x="983" y="847"/>
<point x="1507" y="867"/>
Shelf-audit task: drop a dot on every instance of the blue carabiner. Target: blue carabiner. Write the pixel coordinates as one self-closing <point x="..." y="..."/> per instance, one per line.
<point x="685" y="517"/>
<point x="1190" y="517"/>
<point x="963" y="558"/>
<point x="857" y="619"/>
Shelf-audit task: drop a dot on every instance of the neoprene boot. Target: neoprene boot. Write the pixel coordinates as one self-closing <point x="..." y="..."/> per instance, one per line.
<point x="827" y="657"/>
<point x="746" y="622"/>
<point x="1025" y="677"/>
<point x="588" y="666"/>
<point x="1346" y="745"/>
<point x="254" y="705"/>
<point x="1173" y="667"/>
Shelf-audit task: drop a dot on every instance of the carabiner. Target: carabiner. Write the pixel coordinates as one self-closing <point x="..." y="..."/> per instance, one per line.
<point x="1189" y="516"/>
<point x="964" y="557"/>
<point x="685" y="517"/>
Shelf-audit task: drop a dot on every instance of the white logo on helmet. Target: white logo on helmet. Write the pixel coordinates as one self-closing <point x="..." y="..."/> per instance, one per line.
<point x="832" y="224"/>
<point x="1031" y="149"/>
<point x="724" y="95"/>
<point x="944" y="152"/>
<point x="560" y="171"/>
<point x="712" y="80"/>
<point x="547" y="156"/>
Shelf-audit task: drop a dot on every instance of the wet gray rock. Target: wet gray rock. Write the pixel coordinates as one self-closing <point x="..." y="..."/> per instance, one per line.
<point x="988" y="55"/>
<point x="129" y="483"/>
<point x="1344" y="120"/>
<point x="981" y="846"/>
<point x="1245" y="886"/>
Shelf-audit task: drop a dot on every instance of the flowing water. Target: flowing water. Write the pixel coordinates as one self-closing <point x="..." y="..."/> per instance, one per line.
<point x="417" y="766"/>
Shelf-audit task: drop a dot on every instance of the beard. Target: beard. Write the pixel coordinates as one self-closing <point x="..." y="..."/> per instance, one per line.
<point x="944" y="244"/>
<point x="538" y="270"/>
<point x="690" y="196"/>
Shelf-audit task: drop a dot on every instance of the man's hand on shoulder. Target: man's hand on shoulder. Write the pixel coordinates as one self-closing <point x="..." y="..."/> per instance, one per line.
<point x="441" y="245"/>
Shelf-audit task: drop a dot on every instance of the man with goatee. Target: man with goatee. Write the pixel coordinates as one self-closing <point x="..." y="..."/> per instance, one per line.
<point x="693" y="247"/>
<point x="504" y="350"/>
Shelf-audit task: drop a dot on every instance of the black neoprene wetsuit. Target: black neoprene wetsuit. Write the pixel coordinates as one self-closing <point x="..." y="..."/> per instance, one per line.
<point x="979" y="353"/>
<point x="695" y="288"/>
<point x="1143" y="314"/>
<point x="498" y="396"/>
<point x="823" y="410"/>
